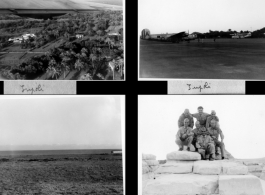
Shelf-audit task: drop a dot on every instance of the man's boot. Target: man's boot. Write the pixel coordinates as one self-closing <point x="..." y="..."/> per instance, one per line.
<point x="211" y="157"/>
<point x="188" y="148"/>
<point x="180" y="149"/>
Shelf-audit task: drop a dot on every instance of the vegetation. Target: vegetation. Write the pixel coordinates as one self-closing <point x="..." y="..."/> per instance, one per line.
<point x="227" y="34"/>
<point x="90" y="54"/>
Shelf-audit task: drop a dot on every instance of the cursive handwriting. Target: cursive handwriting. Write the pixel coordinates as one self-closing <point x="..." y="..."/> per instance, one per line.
<point x="32" y="90"/>
<point x="205" y="86"/>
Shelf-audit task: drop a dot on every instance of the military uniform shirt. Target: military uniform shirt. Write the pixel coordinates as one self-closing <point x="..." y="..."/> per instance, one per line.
<point x="181" y="120"/>
<point x="215" y="132"/>
<point x="183" y="130"/>
<point x="204" y="141"/>
<point x="198" y="131"/>
<point x="201" y="117"/>
<point x="208" y="122"/>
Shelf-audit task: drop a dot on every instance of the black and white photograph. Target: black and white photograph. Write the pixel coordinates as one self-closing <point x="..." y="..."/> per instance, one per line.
<point x="62" y="145"/>
<point x="62" y="40"/>
<point x="207" y="145"/>
<point x="202" y="39"/>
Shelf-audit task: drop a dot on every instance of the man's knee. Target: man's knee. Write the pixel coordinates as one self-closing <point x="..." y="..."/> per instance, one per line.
<point x="178" y="142"/>
<point x="190" y="138"/>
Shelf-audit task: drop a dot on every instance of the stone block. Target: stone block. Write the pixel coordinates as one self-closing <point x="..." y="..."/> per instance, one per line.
<point x="239" y="185"/>
<point x="233" y="168"/>
<point x="175" y="167"/>
<point x="183" y="155"/>
<point x="152" y="162"/>
<point x="182" y="184"/>
<point x="207" y="167"/>
<point x="148" y="157"/>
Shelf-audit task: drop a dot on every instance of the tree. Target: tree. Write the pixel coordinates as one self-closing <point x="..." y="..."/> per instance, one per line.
<point x="112" y="66"/>
<point x="93" y="57"/>
<point x="53" y="71"/>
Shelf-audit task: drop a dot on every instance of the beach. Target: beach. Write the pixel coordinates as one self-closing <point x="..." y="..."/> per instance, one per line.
<point x="96" y="174"/>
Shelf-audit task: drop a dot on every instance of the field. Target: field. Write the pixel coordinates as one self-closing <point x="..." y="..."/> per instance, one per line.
<point x="62" y="174"/>
<point x="223" y="59"/>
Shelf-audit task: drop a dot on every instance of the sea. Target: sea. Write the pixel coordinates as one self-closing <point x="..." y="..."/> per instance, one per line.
<point x="55" y="152"/>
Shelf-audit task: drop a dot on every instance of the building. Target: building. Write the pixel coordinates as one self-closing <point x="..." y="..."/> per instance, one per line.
<point x="27" y="36"/>
<point x="79" y="35"/>
<point x="114" y="35"/>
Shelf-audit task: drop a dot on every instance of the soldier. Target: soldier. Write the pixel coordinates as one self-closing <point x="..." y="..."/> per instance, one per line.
<point x="185" y="115"/>
<point x="210" y="118"/>
<point x="206" y="145"/>
<point x="214" y="133"/>
<point x="197" y="132"/>
<point x="184" y="136"/>
<point x="201" y="116"/>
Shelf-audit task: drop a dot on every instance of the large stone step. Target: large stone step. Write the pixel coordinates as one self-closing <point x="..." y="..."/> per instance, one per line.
<point x="203" y="167"/>
<point x="180" y="184"/>
<point x="239" y="185"/>
<point x="194" y="184"/>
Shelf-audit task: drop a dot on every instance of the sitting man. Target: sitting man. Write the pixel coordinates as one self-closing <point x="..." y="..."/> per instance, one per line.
<point x="197" y="132"/>
<point x="201" y="116"/>
<point x="185" y="115"/>
<point x="184" y="136"/>
<point x="210" y="118"/>
<point x="206" y="145"/>
<point x="214" y="133"/>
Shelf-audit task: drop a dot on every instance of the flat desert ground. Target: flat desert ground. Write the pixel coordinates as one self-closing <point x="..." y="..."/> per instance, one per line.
<point x="62" y="174"/>
<point x="223" y="59"/>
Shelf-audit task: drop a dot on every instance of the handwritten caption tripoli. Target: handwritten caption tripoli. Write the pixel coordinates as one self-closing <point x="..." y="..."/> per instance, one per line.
<point x="206" y="87"/>
<point x="39" y="87"/>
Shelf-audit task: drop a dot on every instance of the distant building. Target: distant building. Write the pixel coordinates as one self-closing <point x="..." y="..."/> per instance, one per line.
<point x="79" y="35"/>
<point x="27" y="36"/>
<point x="114" y="35"/>
<point x="17" y="39"/>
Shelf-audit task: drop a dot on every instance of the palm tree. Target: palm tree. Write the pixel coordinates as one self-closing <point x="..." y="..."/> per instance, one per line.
<point x="79" y="65"/>
<point x="112" y="66"/>
<point x="108" y="41"/>
<point x="93" y="57"/>
<point x="53" y="71"/>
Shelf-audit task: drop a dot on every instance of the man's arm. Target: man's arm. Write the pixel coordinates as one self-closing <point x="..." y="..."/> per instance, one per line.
<point x="179" y="121"/>
<point x="222" y="135"/>
<point x="208" y="122"/>
<point x="178" y="134"/>
<point x="217" y="118"/>
<point x="192" y="122"/>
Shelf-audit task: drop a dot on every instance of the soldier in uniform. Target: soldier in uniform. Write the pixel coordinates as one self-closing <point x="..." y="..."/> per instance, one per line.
<point x="206" y="145"/>
<point x="187" y="115"/>
<point x="201" y="116"/>
<point x="197" y="132"/>
<point x="210" y="118"/>
<point x="214" y="133"/>
<point x="184" y="136"/>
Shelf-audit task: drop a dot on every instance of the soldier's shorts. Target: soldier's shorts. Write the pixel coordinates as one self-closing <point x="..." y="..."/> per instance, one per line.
<point x="187" y="141"/>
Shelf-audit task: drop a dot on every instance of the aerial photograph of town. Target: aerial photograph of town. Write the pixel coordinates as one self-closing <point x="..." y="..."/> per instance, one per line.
<point x="61" y="40"/>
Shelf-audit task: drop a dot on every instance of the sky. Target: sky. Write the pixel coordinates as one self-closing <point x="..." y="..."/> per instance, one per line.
<point x="173" y="16"/>
<point x="241" y="120"/>
<point x="60" y="120"/>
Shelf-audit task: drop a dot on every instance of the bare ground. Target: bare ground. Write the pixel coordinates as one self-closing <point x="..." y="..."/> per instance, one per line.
<point x="64" y="174"/>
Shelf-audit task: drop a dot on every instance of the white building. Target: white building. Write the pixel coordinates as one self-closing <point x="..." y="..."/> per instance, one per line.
<point x="26" y="36"/>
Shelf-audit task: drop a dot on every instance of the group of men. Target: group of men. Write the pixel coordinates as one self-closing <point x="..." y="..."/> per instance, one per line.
<point x="205" y="137"/>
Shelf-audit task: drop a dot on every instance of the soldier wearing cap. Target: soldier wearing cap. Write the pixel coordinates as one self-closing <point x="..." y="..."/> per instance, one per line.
<point x="183" y="116"/>
<point x="197" y="132"/>
<point x="206" y="145"/>
<point x="210" y="118"/>
<point x="201" y="116"/>
<point x="214" y="132"/>
<point x="184" y="136"/>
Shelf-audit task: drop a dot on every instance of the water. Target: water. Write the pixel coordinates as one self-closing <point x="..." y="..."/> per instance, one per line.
<point x="54" y="152"/>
